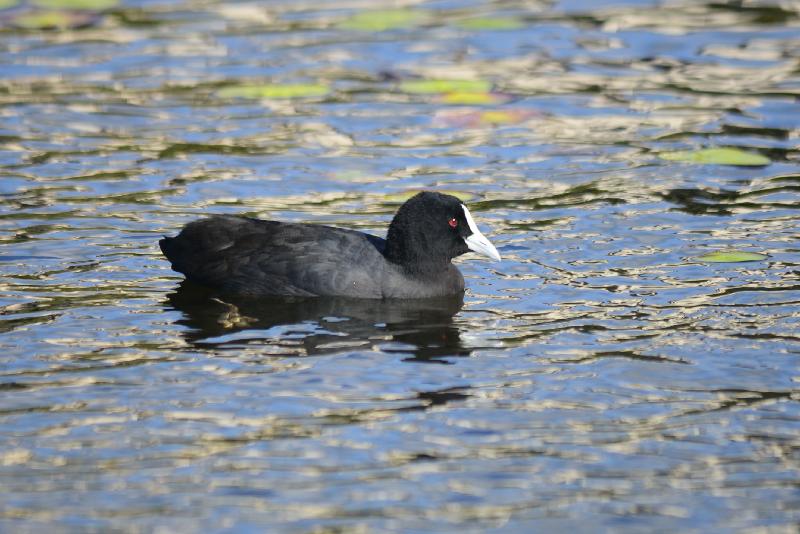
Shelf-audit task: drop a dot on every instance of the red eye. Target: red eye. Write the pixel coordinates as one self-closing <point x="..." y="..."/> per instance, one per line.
<point x="452" y="222"/>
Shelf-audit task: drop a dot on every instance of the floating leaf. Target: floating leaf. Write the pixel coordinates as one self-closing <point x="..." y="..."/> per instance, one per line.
<point x="274" y="91"/>
<point x="94" y="5"/>
<point x="490" y="23"/>
<point x="473" y="98"/>
<point x="5" y="4"/>
<point x="731" y="256"/>
<point x="445" y="86"/>
<point x="473" y="118"/>
<point x="40" y="20"/>
<point x="500" y="117"/>
<point x="402" y="196"/>
<point x="384" y="19"/>
<point x="718" y="156"/>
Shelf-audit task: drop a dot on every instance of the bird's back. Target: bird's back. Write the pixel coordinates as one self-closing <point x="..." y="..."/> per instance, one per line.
<point x="256" y="257"/>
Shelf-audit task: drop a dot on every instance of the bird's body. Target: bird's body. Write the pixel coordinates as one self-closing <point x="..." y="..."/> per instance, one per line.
<point x="255" y="257"/>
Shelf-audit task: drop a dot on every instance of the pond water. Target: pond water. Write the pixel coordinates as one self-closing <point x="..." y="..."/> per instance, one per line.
<point x="606" y="375"/>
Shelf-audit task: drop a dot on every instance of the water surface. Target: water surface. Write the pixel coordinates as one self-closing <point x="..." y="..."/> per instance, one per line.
<point x="601" y="377"/>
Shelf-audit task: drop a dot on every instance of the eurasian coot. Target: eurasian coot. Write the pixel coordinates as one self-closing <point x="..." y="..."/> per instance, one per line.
<point x="247" y="256"/>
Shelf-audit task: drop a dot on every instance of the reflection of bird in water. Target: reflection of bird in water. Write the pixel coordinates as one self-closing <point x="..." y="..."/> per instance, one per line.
<point x="292" y="326"/>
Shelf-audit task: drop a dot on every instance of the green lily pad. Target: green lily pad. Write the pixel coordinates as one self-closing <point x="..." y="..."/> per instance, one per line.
<point x="274" y="91"/>
<point x="490" y="23"/>
<point x="445" y="86"/>
<point x="384" y="19"/>
<point x="731" y="256"/>
<point x="402" y="196"/>
<point x="473" y="98"/>
<point x="5" y="4"/>
<point x="94" y="5"/>
<point x="718" y="156"/>
<point x="40" y="20"/>
<point x="500" y="117"/>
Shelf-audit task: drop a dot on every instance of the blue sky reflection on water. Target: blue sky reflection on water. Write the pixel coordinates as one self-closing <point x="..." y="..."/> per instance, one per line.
<point x="601" y="377"/>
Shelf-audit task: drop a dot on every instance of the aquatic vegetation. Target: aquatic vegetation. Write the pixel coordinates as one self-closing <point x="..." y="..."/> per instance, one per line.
<point x="491" y="23"/>
<point x="717" y="156"/>
<point x="385" y="19"/>
<point x="731" y="256"/>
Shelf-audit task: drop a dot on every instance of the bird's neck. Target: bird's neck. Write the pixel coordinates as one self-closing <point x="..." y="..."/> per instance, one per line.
<point x="415" y="261"/>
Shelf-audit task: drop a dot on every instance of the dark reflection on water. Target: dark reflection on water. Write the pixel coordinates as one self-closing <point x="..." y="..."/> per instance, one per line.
<point x="317" y="326"/>
<point x="726" y="202"/>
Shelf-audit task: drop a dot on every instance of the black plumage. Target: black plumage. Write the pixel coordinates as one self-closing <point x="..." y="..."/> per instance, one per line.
<point x="247" y="256"/>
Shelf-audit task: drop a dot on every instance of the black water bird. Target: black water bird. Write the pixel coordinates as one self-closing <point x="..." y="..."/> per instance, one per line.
<point x="246" y="256"/>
